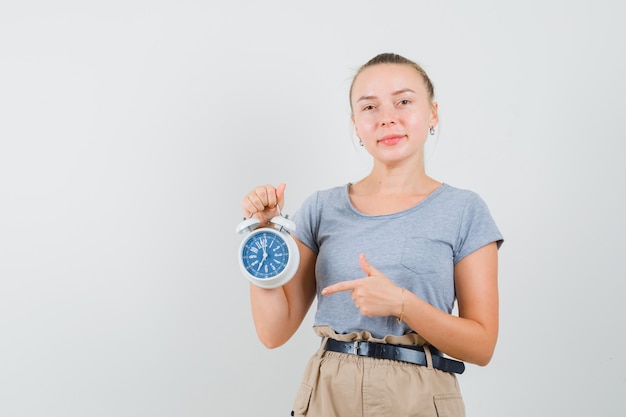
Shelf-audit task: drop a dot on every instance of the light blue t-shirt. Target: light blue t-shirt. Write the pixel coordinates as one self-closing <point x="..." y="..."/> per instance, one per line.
<point x="416" y="248"/>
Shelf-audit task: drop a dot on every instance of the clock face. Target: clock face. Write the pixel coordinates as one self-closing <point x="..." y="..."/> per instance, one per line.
<point x="264" y="254"/>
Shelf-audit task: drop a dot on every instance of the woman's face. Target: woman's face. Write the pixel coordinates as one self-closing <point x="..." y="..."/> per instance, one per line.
<point x="392" y="112"/>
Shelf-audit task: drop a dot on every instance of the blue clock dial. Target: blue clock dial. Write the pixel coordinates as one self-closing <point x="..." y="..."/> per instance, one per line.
<point x="265" y="254"/>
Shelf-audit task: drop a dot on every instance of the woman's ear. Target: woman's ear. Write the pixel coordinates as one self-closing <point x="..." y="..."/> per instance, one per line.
<point x="434" y="114"/>
<point x="356" y="131"/>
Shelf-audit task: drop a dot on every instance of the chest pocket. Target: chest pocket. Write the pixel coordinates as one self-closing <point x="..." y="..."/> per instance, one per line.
<point x="425" y="256"/>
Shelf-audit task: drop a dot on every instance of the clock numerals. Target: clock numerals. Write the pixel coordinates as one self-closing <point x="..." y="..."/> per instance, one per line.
<point x="266" y="255"/>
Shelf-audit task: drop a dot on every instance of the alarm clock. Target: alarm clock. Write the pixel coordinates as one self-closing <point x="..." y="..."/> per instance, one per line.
<point x="268" y="256"/>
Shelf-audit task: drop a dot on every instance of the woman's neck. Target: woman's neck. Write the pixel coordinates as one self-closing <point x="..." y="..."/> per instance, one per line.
<point x="396" y="181"/>
<point x="386" y="194"/>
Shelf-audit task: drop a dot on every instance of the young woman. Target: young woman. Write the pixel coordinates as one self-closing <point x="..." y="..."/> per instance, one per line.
<point x="386" y="258"/>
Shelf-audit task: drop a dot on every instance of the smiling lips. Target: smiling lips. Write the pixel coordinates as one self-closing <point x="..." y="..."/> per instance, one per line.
<point x="391" y="140"/>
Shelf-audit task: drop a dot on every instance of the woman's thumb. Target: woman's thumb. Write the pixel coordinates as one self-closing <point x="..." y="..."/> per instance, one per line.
<point x="280" y="195"/>
<point x="366" y="266"/>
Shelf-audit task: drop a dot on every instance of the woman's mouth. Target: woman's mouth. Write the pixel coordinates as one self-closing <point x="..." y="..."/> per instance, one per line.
<point x="390" y="140"/>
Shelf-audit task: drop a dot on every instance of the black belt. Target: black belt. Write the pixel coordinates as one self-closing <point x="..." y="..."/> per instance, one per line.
<point x="411" y="354"/>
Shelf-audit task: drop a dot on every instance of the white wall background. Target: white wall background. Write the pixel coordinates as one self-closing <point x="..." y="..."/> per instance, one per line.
<point x="130" y="130"/>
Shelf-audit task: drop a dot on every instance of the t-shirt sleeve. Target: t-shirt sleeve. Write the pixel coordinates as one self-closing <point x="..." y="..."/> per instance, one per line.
<point x="477" y="228"/>
<point x="306" y="219"/>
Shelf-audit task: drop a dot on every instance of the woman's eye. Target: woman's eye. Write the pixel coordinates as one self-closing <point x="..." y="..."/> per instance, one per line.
<point x="368" y="107"/>
<point x="404" y="102"/>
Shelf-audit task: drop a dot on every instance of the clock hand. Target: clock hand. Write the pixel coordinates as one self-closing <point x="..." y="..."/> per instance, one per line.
<point x="262" y="260"/>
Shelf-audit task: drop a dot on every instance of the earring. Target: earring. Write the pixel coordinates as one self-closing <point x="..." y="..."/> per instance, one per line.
<point x="431" y="131"/>
<point x="360" y="142"/>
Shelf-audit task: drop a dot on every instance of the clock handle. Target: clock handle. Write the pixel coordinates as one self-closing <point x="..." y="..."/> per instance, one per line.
<point x="282" y="222"/>
<point x="247" y="225"/>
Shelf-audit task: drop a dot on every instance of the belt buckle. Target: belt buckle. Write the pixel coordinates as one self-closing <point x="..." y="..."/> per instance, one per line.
<point x="361" y="348"/>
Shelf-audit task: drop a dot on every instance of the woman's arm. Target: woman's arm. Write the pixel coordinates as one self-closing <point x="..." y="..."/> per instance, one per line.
<point x="472" y="336"/>
<point x="278" y="312"/>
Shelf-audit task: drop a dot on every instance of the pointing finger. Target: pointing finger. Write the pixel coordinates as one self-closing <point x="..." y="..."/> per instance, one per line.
<point x="339" y="287"/>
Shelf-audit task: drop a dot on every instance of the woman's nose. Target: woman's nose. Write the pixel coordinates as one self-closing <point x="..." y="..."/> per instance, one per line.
<point x="387" y="117"/>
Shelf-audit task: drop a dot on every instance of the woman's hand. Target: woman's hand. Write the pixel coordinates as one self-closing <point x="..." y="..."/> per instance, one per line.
<point x="262" y="202"/>
<point x="471" y="336"/>
<point x="373" y="295"/>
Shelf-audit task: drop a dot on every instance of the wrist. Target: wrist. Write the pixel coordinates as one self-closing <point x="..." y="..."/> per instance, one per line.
<point x="400" y="317"/>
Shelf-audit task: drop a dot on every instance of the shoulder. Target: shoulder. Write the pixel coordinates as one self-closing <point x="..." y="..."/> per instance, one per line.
<point x="459" y="196"/>
<point x="322" y="198"/>
<point x="333" y="192"/>
<point x="463" y="203"/>
<point x="477" y="226"/>
<point x="329" y="194"/>
<point x="317" y="207"/>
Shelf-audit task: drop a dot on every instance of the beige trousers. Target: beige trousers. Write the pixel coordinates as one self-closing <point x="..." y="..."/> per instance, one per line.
<point x="343" y="385"/>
